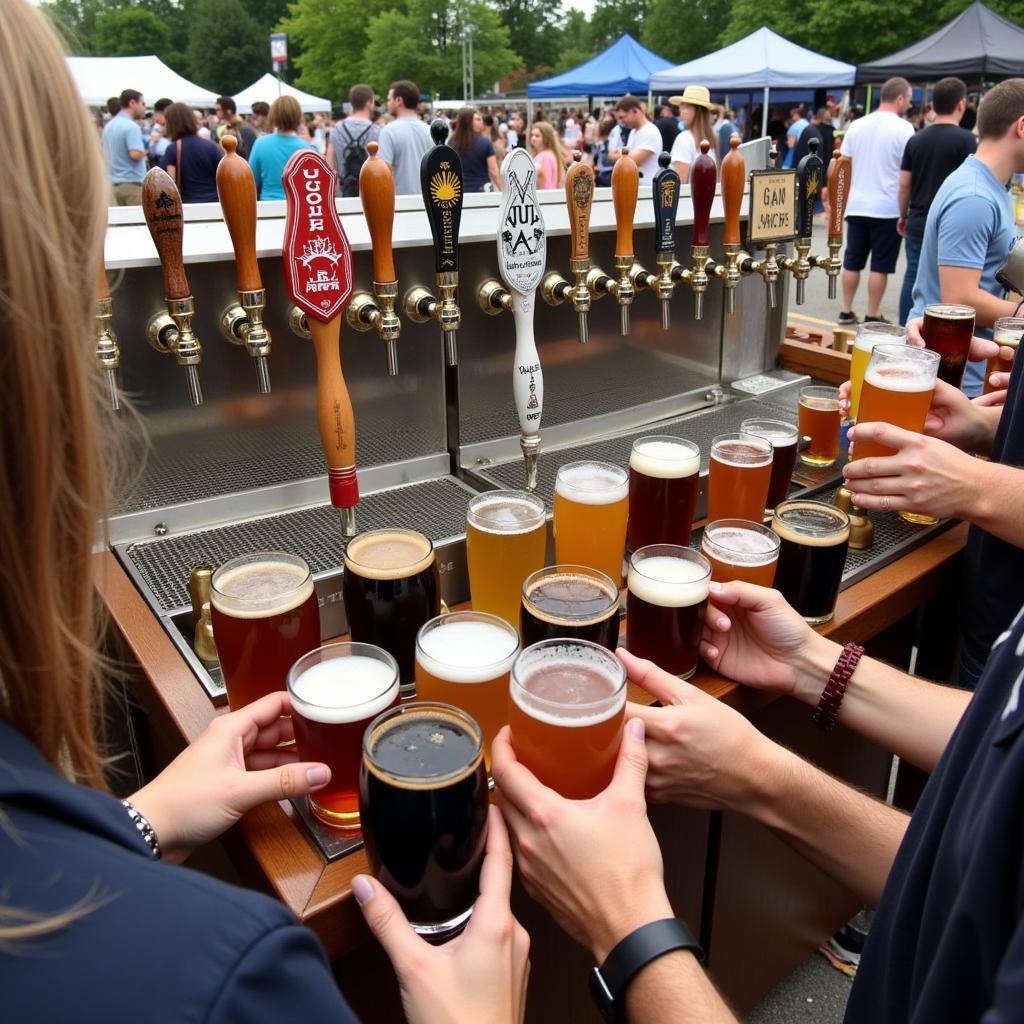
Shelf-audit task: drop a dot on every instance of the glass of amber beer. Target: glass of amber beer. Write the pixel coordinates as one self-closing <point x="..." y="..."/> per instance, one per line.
<point x="664" y="478"/>
<point x="738" y="550"/>
<point x="948" y="329"/>
<point x="423" y="806"/>
<point x="820" y="420"/>
<point x="506" y="538"/>
<point x="265" y="616"/>
<point x="336" y="691"/>
<point x="567" y="702"/>
<point x="868" y="336"/>
<point x="738" y="477"/>
<point x="813" y="540"/>
<point x="464" y="658"/>
<point x="571" y="601"/>
<point x="391" y="587"/>
<point x="783" y="437"/>
<point x="591" y="506"/>
<point x="1006" y="333"/>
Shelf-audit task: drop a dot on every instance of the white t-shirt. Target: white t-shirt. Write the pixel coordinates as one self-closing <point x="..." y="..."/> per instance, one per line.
<point x="875" y="144"/>
<point x="685" y="150"/>
<point x="648" y="138"/>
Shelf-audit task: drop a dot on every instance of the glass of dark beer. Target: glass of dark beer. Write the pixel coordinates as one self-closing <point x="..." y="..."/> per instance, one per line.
<point x="783" y="437"/>
<point x="265" y="616"/>
<point x="423" y="806"/>
<point x="664" y="478"/>
<point x="739" y="550"/>
<point x="947" y="330"/>
<point x="668" y="591"/>
<point x="813" y="539"/>
<point x="336" y="691"/>
<point x="391" y="588"/>
<point x="572" y="601"/>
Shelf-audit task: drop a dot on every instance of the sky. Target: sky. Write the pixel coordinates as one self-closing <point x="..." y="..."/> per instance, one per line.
<point x="586" y="6"/>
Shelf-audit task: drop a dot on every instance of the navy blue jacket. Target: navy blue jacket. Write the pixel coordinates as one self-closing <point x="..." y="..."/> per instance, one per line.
<point x="162" y="943"/>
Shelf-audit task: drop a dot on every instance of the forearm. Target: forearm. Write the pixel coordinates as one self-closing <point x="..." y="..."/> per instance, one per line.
<point x="997" y="502"/>
<point x="674" y="989"/>
<point x="988" y="308"/>
<point x="904" y="201"/>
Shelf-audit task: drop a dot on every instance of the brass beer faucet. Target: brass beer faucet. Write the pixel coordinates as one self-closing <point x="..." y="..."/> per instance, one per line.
<point x="734" y="177"/>
<point x="768" y="267"/>
<point x="108" y="352"/>
<point x="840" y="172"/>
<point x="808" y="187"/>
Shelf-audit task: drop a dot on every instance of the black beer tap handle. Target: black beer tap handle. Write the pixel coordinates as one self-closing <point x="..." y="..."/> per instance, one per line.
<point x="665" y="193"/>
<point x="442" y="186"/>
<point x="810" y="173"/>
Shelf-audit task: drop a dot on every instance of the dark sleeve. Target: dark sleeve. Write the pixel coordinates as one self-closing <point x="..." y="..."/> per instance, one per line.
<point x="488" y="149"/>
<point x="908" y="156"/>
<point x="283" y="976"/>
<point x="170" y="156"/>
<point x="1008" y="1000"/>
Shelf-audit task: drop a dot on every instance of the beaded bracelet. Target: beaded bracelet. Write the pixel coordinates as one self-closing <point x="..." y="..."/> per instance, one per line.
<point x="826" y="714"/>
<point x="141" y="822"/>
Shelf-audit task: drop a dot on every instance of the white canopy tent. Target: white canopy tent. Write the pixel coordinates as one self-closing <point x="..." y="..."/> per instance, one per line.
<point x="269" y="87"/>
<point x="762" y="60"/>
<point x="99" y="78"/>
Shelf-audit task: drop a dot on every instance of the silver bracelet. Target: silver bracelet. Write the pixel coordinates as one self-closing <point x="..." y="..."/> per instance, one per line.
<point x="141" y="822"/>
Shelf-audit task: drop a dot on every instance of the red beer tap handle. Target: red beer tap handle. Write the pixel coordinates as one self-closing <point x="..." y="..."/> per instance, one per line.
<point x="318" y="273"/>
<point x="703" y="175"/>
<point x="734" y="177"/>
<point x="236" y="188"/>
<point x="840" y="173"/>
<point x="579" y="198"/>
<point x="377" y="192"/>
<point x="625" y="186"/>
<point x="161" y="205"/>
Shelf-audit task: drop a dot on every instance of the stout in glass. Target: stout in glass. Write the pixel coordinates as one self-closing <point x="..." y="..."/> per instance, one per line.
<point x="336" y="691"/>
<point x="668" y="591"/>
<point x="948" y="329"/>
<point x="265" y="616"/>
<point x="464" y="658"/>
<point x="783" y="437"/>
<point x="738" y="477"/>
<point x="820" y="419"/>
<point x="506" y="538"/>
<point x="571" y="601"/>
<point x="567" y="702"/>
<point x="391" y="587"/>
<point x="812" y="554"/>
<point x="738" y="550"/>
<point x="868" y="336"/>
<point x="423" y="806"/>
<point x="591" y="506"/>
<point x="1006" y="333"/>
<point x="664" y="478"/>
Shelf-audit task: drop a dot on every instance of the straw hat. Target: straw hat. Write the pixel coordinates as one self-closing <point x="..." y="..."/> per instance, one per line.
<point x="695" y="95"/>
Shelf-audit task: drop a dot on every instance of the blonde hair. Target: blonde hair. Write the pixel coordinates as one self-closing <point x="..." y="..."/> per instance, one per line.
<point x="285" y="114"/>
<point x="702" y="127"/>
<point x="549" y="140"/>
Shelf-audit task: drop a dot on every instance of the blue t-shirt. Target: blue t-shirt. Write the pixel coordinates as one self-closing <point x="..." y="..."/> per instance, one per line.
<point x="121" y="134"/>
<point x="970" y="224"/>
<point x="269" y="155"/>
<point x="796" y="129"/>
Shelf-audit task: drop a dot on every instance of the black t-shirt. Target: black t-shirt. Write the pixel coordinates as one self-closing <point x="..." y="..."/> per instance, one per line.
<point x="803" y="145"/>
<point x="931" y="156"/>
<point x="669" y="128"/>
<point x="474" y="164"/>
<point x="828" y="140"/>
<point x="947" y="943"/>
<point x="197" y="177"/>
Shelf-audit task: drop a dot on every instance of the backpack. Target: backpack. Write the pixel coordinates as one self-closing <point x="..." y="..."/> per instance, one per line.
<point x="351" y="159"/>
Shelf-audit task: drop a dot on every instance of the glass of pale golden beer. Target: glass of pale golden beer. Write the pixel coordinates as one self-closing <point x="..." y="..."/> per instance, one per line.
<point x="868" y="336"/>
<point x="948" y="329"/>
<point x="265" y="616"/>
<point x="1006" y="333"/>
<point x="738" y="477"/>
<point x="464" y="658"/>
<point x="506" y="538"/>
<point x="423" y="802"/>
<point x="668" y="591"/>
<point x="813" y="540"/>
<point x="739" y="550"/>
<point x="567" y="702"/>
<point x="783" y="437"/>
<point x="898" y="387"/>
<point x="591" y="507"/>
<point x="664" y="478"/>
<point x="571" y="601"/>
<point x="336" y="691"/>
<point x="820" y="419"/>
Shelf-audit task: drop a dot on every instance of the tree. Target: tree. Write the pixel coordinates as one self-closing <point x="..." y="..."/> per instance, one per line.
<point x="576" y="48"/>
<point x="680" y="31"/>
<point x="533" y="27"/>
<point x="226" y="49"/>
<point x="75" y="22"/>
<point x="130" y="32"/>
<point x="611" y="18"/>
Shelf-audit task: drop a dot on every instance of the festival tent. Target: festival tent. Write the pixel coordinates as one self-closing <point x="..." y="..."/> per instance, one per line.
<point x="625" y="66"/>
<point x="99" y="78"/>
<point x="269" y="87"/>
<point x="977" y="44"/>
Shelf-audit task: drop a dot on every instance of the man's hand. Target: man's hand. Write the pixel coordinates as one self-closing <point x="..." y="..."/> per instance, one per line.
<point x="981" y="348"/>
<point x="959" y="420"/>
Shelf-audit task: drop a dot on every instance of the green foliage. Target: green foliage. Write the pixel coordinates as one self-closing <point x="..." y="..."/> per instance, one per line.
<point x="226" y="48"/>
<point x="75" y="22"/>
<point x="611" y="18"/>
<point x="533" y="27"/>
<point x="576" y="48"/>
<point x="131" y="32"/>
<point x="680" y="30"/>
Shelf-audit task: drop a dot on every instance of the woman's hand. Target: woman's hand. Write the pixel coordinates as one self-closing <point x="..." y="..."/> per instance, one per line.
<point x="235" y="765"/>
<point x="478" y="976"/>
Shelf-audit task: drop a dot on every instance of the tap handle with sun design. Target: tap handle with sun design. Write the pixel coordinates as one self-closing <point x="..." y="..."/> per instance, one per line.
<point x="442" y="187"/>
<point x="809" y="179"/>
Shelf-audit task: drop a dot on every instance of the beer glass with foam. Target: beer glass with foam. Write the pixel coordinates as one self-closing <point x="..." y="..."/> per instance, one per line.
<point x="738" y="477"/>
<point x="572" y="601"/>
<point x="1006" y="333"/>
<point x="591" y="506"/>
<point x="664" y="478"/>
<point x="868" y="336"/>
<point x="947" y="330"/>
<point x="740" y="550"/>
<point x="820" y="419"/>
<point x="783" y="437"/>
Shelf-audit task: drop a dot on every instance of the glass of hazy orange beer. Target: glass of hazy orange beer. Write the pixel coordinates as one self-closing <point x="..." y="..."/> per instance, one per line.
<point x="739" y="475"/>
<point x="591" y="507"/>
<point x="868" y="336"/>
<point x="1006" y="333"/>
<point x="820" y="419"/>
<point x="740" y="550"/>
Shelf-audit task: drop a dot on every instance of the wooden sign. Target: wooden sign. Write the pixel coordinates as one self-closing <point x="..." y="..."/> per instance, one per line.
<point x="772" y="208"/>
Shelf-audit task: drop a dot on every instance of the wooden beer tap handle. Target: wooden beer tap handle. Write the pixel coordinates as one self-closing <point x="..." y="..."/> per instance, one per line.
<point x="625" y="185"/>
<point x="102" y="284"/>
<point x="703" y="175"/>
<point x="161" y="205"/>
<point x="579" y="198"/>
<point x="734" y="178"/>
<point x="236" y="189"/>
<point x="377" y="192"/>
<point x="839" y="174"/>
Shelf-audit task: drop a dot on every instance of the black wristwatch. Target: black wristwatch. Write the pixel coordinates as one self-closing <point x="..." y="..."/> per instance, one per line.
<point x="608" y="983"/>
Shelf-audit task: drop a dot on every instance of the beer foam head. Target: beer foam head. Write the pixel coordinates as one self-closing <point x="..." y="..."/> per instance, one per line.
<point x="811" y="523"/>
<point x="467" y="650"/>
<point x="949" y="311"/>
<point x="579" y="597"/>
<point x="742" y="451"/>
<point x="506" y="513"/>
<point x="592" y="483"/>
<point x="731" y="541"/>
<point x="347" y="689"/>
<point x="780" y="433"/>
<point x="388" y="554"/>
<point x="871" y="334"/>
<point x="668" y="581"/>
<point x="254" y="589"/>
<point x="905" y="375"/>
<point x="665" y="458"/>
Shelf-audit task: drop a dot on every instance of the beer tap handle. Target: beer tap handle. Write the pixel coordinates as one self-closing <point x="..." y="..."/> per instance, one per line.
<point x="703" y="176"/>
<point x="236" y="189"/>
<point x="808" y="187"/>
<point x="318" y="273"/>
<point x="665" y="195"/>
<point x="625" y="186"/>
<point x="579" y="199"/>
<point x="734" y="178"/>
<point x="840" y="173"/>
<point x="108" y="352"/>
